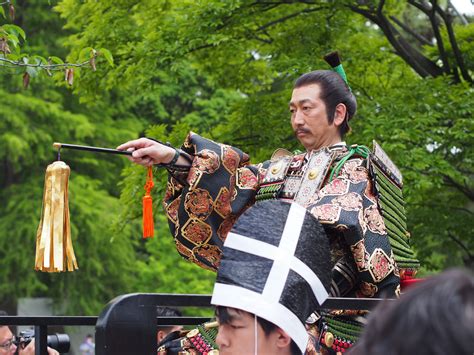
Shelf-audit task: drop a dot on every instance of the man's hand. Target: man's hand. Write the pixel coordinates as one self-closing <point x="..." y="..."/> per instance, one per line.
<point x="147" y="152"/>
<point x="30" y="350"/>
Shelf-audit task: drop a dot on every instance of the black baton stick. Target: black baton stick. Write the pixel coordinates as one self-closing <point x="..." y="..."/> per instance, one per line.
<point x="58" y="146"/>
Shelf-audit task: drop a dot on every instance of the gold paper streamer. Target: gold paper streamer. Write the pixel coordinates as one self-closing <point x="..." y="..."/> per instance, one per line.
<point x="54" y="251"/>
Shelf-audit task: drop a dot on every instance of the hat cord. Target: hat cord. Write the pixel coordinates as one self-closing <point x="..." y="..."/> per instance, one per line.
<point x="255" y="336"/>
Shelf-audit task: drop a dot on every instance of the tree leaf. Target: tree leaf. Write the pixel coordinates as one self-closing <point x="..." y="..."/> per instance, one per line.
<point x="108" y="56"/>
<point x="33" y="72"/>
<point x="56" y="60"/>
<point x="85" y="54"/>
<point x="16" y="30"/>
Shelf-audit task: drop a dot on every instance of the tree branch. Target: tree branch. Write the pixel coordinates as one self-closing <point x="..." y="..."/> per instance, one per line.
<point x="407" y="29"/>
<point x="466" y="190"/>
<point x="452" y="39"/>
<point x="462" y="245"/>
<point x="290" y="16"/>
<point x="421" y="64"/>
<point x="15" y="64"/>
<point x="436" y="205"/>
<point x="380" y="7"/>
<point x="431" y="14"/>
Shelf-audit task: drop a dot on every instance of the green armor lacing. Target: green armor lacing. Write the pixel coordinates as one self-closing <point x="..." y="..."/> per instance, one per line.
<point x="361" y="150"/>
<point x="343" y="329"/>
<point x="209" y="335"/>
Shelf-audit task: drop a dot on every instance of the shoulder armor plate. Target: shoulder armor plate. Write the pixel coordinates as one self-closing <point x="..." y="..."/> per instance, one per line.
<point x="382" y="160"/>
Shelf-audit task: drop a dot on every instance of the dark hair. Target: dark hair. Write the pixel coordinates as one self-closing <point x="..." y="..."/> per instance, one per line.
<point x="167" y="312"/>
<point x="434" y="317"/>
<point x="334" y="91"/>
<point x="224" y="317"/>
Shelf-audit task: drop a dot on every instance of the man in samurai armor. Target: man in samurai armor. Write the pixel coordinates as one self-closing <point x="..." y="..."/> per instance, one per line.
<point x="354" y="192"/>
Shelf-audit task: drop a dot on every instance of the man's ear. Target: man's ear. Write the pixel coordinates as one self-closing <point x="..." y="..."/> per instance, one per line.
<point x="283" y="340"/>
<point x="340" y="114"/>
<point x="160" y="335"/>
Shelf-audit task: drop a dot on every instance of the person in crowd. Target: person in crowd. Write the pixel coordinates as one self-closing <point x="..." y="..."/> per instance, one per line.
<point x="88" y="346"/>
<point x="355" y="193"/>
<point x="8" y="344"/>
<point x="434" y="317"/>
<point x="275" y="270"/>
<point x="164" y="330"/>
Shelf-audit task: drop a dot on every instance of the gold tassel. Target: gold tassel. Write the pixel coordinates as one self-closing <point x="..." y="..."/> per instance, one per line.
<point x="54" y="251"/>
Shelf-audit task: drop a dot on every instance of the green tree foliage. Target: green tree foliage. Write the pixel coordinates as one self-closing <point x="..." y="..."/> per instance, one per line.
<point x="30" y="121"/>
<point x="225" y="70"/>
<point x="416" y="104"/>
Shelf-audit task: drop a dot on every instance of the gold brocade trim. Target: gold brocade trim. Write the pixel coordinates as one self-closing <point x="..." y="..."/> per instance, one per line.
<point x="316" y="170"/>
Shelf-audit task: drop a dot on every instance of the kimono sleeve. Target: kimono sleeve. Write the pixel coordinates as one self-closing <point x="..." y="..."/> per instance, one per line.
<point x="202" y="204"/>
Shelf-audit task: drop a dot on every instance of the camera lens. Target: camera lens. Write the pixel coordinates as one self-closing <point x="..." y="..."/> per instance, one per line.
<point x="59" y="342"/>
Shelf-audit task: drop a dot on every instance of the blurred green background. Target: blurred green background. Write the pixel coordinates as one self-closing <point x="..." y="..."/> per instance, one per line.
<point x="223" y="69"/>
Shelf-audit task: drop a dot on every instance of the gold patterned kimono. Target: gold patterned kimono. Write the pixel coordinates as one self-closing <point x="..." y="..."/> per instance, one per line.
<point x="340" y="189"/>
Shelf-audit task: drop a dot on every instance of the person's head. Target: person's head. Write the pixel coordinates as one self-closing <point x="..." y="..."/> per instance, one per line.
<point x="241" y="332"/>
<point x="321" y="106"/>
<point x="433" y="317"/>
<point x="163" y="331"/>
<point x="7" y="347"/>
<point x="275" y="269"/>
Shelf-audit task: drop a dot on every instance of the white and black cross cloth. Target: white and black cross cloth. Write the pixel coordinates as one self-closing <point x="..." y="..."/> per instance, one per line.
<point x="275" y="264"/>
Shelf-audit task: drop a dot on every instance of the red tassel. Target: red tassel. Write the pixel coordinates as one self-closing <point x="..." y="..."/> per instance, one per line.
<point x="148" y="226"/>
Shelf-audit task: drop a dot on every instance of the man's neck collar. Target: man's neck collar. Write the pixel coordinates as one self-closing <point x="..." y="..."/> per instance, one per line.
<point x="335" y="146"/>
<point x="338" y="145"/>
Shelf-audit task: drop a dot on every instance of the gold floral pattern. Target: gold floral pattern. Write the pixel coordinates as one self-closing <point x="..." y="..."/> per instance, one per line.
<point x="361" y="256"/>
<point x="194" y="177"/>
<point x="374" y="220"/>
<point x="380" y="265"/>
<point x="207" y="161"/>
<point x="222" y="203"/>
<point x="335" y="187"/>
<point x="230" y="159"/>
<point x="225" y="228"/>
<point x="232" y="189"/>
<point x="349" y="202"/>
<point x="246" y="179"/>
<point x="354" y="171"/>
<point x="367" y="289"/>
<point x="196" y="231"/>
<point x="172" y="210"/>
<point x="198" y="203"/>
<point x="169" y="193"/>
<point x="362" y="224"/>
<point x="185" y="252"/>
<point x="211" y="253"/>
<point x="327" y="213"/>
<point x="369" y="193"/>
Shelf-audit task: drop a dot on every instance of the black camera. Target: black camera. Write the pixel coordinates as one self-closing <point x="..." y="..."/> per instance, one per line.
<point x="59" y="342"/>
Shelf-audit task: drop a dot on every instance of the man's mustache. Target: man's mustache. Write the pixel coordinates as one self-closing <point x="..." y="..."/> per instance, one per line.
<point x="301" y="130"/>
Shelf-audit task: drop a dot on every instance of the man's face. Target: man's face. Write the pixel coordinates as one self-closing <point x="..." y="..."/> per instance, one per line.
<point x="6" y="336"/>
<point x="309" y="118"/>
<point x="238" y="335"/>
